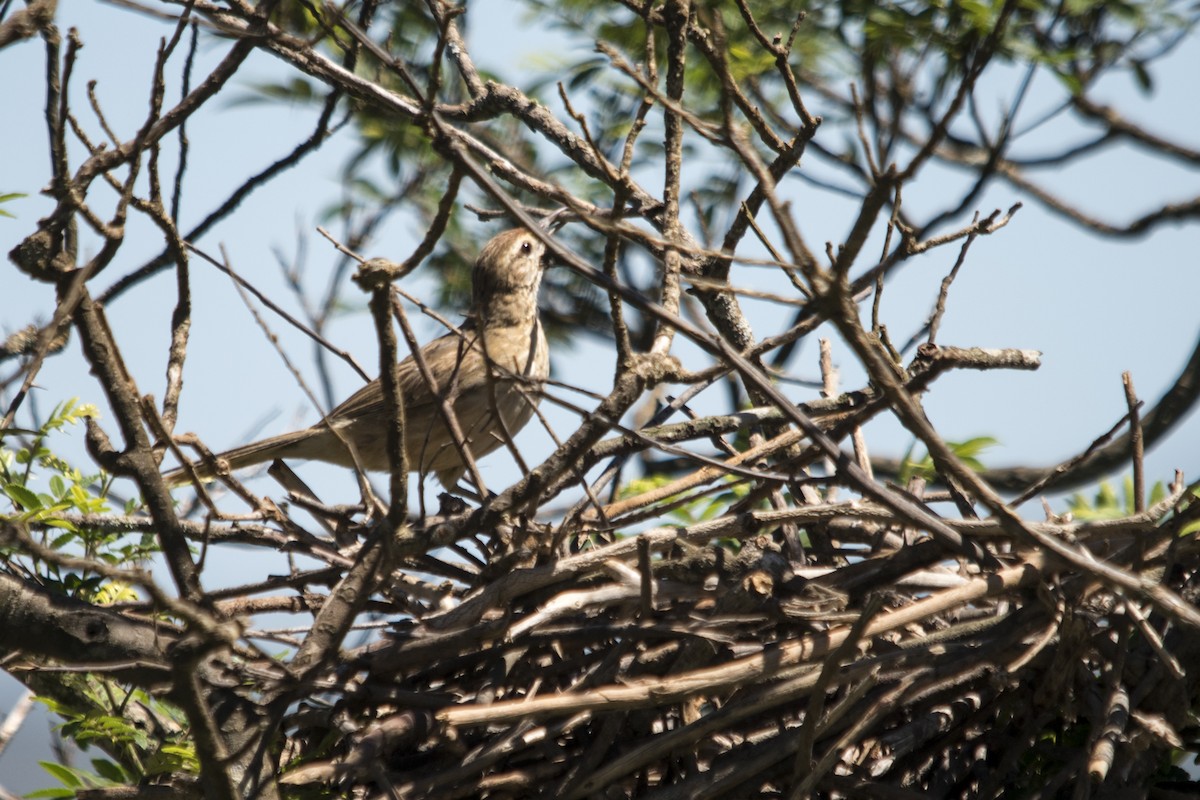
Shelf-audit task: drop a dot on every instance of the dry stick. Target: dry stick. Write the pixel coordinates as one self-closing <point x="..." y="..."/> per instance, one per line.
<point x="908" y="409"/>
<point x="444" y="405"/>
<point x="175" y="445"/>
<point x="612" y="241"/>
<point x="15" y="717"/>
<point x="705" y="474"/>
<point x="368" y="495"/>
<point x="185" y="88"/>
<point x="1052" y="475"/>
<point x="217" y="779"/>
<point x="676" y="13"/>
<point x="1170" y="409"/>
<point x="913" y="513"/>
<point x="197" y="618"/>
<point x="764" y="190"/>
<point x="787" y="268"/>
<point x="996" y="146"/>
<point x="860" y="126"/>
<point x="68" y="297"/>
<point x="284" y="315"/>
<point x="579" y="475"/>
<point x="181" y="320"/>
<point x="713" y="44"/>
<point x="855" y="731"/>
<point x="965" y="87"/>
<point x="51" y="333"/>
<point x="829" y="389"/>
<point x="908" y="248"/>
<point x="612" y="253"/>
<point x="931" y="366"/>
<point x="445" y="15"/>
<point x="740" y="671"/>
<point x="318" y="313"/>
<point x="1116" y="719"/>
<point x="137" y="460"/>
<point x="935" y="317"/>
<point x="597" y="752"/>
<point x="752" y="760"/>
<point x="686" y="736"/>
<point x="893" y="224"/>
<point x="581" y="121"/>
<point x="619" y="458"/>
<point x="723" y="308"/>
<point x="242" y="533"/>
<point x="378" y="284"/>
<point x="459" y="776"/>
<point x="782" y="53"/>
<point x="168" y="121"/>
<point x="936" y="359"/>
<point x="1138" y="227"/>
<point x="1136" y="444"/>
<point x="648" y="439"/>
<point x="909" y="511"/>
<point x="321" y="132"/>
<point x="500" y="592"/>
<point x="1169" y="661"/>
<point x="741" y="291"/>
<point x="1113" y="119"/>
<point x="334" y="620"/>
<point x="715" y="469"/>
<point x="423" y="249"/>
<point x="803" y="766"/>
<point x="181" y="314"/>
<point x="646" y="574"/>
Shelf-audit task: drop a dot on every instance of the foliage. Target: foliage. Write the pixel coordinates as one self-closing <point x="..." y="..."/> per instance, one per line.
<point x="7" y="198"/>
<point x="968" y="451"/>
<point x="1107" y="505"/>
<point x="102" y="714"/>
<point x="71" y="496"/>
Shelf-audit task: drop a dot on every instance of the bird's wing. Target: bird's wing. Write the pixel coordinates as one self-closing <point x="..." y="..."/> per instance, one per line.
<point x="452" y="348"/>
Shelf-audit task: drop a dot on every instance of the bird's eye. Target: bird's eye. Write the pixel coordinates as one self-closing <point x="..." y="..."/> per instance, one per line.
<point x="526" y="247"/>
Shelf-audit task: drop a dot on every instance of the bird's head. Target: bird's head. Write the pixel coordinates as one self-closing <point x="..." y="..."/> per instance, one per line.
<point x="509" y="265"/>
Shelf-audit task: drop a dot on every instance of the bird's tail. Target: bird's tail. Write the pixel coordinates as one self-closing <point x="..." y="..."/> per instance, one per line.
<point x="287" y="445"/>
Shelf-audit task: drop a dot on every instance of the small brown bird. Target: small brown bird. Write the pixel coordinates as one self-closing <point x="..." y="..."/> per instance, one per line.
<point x="481" y="371"/>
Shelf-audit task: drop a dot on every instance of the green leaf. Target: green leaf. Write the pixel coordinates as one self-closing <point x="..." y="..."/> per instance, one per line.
<point x="109" y="771"/>
<point x="64" y="775"/>
<point x="23" y="497"/>
<point x="973" y="447"/>
<point x="1142" y="75"/>
<point x="62" y="541"/>
<point x="1074" y="84"/>
<point x="63" y="524"/>
<point x="40" y="793"/>
<point x="18" y="432"/>
<point x="4" y="198"/>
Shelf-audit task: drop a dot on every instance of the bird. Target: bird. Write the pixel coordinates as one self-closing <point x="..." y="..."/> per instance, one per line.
<point x="491" y="369"/>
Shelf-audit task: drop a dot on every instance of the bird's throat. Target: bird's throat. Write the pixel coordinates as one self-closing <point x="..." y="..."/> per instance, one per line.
<point x="514" y="308"/>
